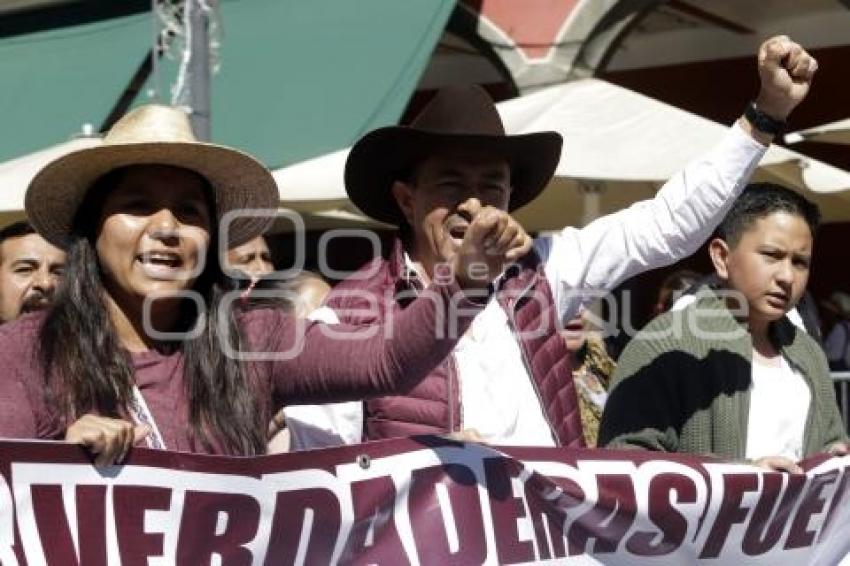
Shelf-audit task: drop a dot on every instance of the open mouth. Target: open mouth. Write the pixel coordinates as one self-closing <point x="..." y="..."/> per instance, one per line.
<point x="35" y="304"/>
<point x="456" y="229"/>
<point x="161" y="264"/>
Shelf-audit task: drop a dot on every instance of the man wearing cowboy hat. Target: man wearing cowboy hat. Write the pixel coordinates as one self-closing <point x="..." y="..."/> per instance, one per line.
<point x="509" y="378"/>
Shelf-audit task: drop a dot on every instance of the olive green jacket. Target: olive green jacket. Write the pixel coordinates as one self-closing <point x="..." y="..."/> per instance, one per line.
<point x="683" y="384"/>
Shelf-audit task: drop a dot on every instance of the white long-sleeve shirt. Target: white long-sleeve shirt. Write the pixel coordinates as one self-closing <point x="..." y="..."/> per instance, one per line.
<point x="581" y="264"/>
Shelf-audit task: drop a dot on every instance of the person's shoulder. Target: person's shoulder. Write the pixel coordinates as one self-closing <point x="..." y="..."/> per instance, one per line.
<point x="262" y="318"/>
<point x="803" y="341"/>
<point x="374" y="275"/>
<point x="21" y="382"/>
<point x="21" y="332"/>
<point x="546" y="242"/>
<point x="658" y="329"/>
<point x="19" y="342"/>
<point x="267" y="329"/>
<point x="359" y="293"/>
<point x="652" y="341"/>
<point x="674" y="334"/>
<point x="683" y="302"/>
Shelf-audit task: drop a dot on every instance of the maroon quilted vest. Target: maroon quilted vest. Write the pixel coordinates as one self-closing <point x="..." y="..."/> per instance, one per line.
<point x="434" y="406"/>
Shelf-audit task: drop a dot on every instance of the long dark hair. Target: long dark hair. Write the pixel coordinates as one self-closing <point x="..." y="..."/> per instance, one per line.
<point x="87" y="370"/>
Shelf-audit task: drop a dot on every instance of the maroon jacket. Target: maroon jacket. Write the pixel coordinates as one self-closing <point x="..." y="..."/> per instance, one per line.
<point x="385" y="286"/>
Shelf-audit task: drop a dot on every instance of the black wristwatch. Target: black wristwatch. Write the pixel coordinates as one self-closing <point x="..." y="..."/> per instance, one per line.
<point x="764" y="123"/>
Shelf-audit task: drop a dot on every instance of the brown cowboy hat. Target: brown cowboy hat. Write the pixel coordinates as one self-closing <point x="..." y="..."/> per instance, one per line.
<point x="464" y="116"/>
<point x="151" y="135"/>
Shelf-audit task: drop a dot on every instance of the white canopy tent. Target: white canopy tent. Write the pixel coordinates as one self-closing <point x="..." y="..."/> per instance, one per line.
<point x="16" y="174"/>
<point x="619" y="147"/>
<point x="834" y="132"/>
<point x="315" y="188"/>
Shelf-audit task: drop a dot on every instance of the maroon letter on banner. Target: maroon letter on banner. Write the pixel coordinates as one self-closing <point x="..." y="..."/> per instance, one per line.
<point x="429" y="530"/>
<point x="730" y="512"/>
<point x="52" y="524"/>
<point x="290" y="512"/>
<point x="617" y="498"/>
<point x="812" y="504"/>
<point x="197" y="540"/>
<point x="91" y="523"/>
<point x="547" y="504"/>
<point x="664" y="515"/>
<point x="506" y="509"/>
<point x="374" y="506"/>
<point x="836" y="502"/>
<point x="130" y="503"/>
<point x="763" y="532"/>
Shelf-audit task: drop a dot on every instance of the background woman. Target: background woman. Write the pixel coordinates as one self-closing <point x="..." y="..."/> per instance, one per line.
<point x="593" y="369"/>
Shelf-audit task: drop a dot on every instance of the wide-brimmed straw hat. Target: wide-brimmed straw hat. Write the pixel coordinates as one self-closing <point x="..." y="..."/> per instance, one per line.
<point x="152" y="135"/>
<point x="456" y="117"/>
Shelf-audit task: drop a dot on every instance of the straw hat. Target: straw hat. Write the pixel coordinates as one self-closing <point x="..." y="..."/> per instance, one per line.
<point x="151" y="135"/>
<point x="457" y="116"/>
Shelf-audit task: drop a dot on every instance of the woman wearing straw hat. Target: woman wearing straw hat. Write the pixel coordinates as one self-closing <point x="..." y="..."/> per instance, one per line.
<point x="124" y="357"/>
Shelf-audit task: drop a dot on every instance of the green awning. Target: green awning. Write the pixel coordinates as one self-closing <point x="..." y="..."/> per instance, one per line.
<point x="53" y="82"/>
<point x="298" y="78"/>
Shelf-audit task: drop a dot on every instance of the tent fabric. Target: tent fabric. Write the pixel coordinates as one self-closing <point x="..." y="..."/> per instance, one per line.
<point x="619" y="147"/>
<point x="15" y="175"/>
<point x="315" y="183"/>
<point x="297" y="79"/>
<point x="611" y="132"/>
<point x="834" y="132"/>
<point x="607" y="162"/>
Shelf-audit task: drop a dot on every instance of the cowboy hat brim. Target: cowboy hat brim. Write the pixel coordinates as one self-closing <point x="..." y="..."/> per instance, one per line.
<point x="386" y="155"/>
<point x="239" y="182"/>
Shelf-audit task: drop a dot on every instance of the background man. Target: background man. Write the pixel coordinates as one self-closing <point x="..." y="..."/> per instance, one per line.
<point x="30" y="270"/>
<point x="252" y="258"/>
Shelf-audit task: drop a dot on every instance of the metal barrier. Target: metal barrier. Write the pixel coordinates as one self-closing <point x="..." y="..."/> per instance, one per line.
<point x="842" y="383"/>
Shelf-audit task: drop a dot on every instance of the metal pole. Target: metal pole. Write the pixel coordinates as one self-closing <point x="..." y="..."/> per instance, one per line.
<point x="199" y="69"/>
<point x="591" y="193"/>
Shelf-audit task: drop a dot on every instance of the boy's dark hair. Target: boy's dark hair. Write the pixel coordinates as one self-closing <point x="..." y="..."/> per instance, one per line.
<point x="760" y="200"/>
<point x="16" y="230"/>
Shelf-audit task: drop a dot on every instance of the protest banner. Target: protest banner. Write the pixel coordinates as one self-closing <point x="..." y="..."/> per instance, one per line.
<point x="422" y="500"/>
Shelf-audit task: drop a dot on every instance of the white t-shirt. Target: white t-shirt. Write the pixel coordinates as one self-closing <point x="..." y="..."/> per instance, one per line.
<point x="498" y="397"/>
<point x="779" y="407"/>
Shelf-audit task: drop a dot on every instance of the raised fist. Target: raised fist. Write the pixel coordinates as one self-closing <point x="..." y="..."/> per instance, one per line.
<point x="786" y="73"/>
<point x="494" y="239"/>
